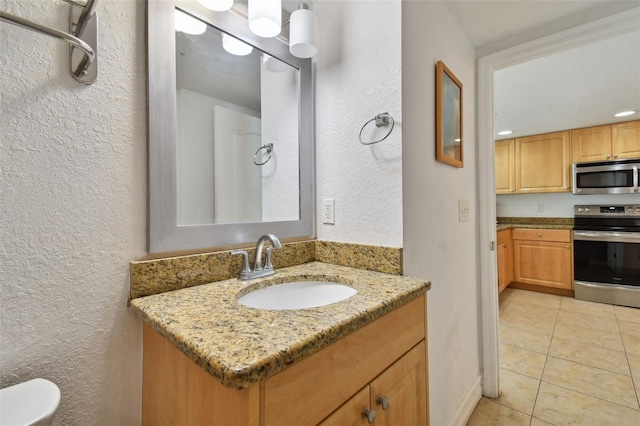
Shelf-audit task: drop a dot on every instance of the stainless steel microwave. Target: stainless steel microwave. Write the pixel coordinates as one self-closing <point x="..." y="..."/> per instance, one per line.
<point x="607" y="177"/>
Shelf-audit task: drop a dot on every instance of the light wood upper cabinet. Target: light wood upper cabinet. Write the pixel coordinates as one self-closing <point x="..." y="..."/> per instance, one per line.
<point x="505" y="155"/>
<point x="609" y="142"/>
<point x="591" y="144"/>
<point x="543" y="257"/>
<point x="543" y="163"/>
<point x="625" y="140"/>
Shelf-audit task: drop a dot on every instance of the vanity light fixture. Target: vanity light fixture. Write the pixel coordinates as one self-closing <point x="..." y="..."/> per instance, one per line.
<point x="188" y="24"/>
<point x="505" y="132"/>
<point x="217" y="5"/>
<point x="265" y="17"/>
<point x="302" y="32"/>
<point x="235" y="46"/>
<point x="273" y="64"/>
<point x="624" y="113"/>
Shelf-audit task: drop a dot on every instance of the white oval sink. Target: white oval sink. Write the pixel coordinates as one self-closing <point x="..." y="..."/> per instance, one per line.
<point x="297" y="295"/>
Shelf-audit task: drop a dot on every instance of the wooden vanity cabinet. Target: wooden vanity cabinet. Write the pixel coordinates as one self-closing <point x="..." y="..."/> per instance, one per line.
<point x="609" y="142"/>
<point x="334" y="385"/>
<point x="543" y="163"/>
<point x="505" y="259"/>
<point x="543" y="258"/>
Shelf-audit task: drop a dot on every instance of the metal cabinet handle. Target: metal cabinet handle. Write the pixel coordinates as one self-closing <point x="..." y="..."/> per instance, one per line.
<point x="540" y="235"/>
<point x="369" y="414"/>
<point x="568" y="246"/>
<point x="615" y="156"/>
<point x="383" y="401"/>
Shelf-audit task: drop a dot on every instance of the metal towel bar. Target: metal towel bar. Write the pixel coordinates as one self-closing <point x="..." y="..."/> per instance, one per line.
<point x="83" y="25"/>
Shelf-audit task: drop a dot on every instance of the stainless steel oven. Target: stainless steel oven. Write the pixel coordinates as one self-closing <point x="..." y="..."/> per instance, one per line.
<point x="606" y="254"/>
<point x="607" y="177"/>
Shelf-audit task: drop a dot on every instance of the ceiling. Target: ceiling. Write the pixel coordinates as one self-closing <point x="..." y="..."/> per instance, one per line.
<point x="580" y="87"/>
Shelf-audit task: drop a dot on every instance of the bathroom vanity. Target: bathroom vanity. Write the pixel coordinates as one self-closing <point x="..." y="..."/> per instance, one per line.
<point x="209" y="360"/>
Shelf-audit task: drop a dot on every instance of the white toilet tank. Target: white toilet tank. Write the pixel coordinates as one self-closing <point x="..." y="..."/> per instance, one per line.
<point x="32" y="403"/>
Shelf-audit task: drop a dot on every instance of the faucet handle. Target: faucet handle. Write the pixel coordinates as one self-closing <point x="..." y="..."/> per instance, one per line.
<point x="245" y="260"/>
<point x="267" y="261"/>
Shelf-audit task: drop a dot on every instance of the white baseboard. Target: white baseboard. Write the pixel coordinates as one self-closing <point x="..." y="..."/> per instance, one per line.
<point x="468" y="404"/>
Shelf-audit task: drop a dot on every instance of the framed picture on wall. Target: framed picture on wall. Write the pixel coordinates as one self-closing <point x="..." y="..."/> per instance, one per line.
<point x="449" y="141"/>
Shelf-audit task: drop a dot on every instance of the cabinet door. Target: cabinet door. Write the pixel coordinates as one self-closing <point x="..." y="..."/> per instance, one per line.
<point x="505" y="156"/>
<point x="543" y="263"/>
<point x="543" y="163"/>
<point x="625" y="141"/>
<point x="350" y="413"/>
<point x="405" y="386"/>
<point x="508" y="260"/>
<point x="591" y="144"/>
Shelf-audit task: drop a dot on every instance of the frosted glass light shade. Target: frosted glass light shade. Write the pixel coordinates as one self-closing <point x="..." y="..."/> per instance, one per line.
<point x="265" y="17"/>
<point x="302" y="34"/>
<point x="272" y="64"/>
<point x="188" y="24"/>
<point x="217" y="5"/>
<point x="235" y="46"/>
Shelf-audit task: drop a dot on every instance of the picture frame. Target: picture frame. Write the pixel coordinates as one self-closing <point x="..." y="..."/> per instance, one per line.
<point x="449" y="135"/>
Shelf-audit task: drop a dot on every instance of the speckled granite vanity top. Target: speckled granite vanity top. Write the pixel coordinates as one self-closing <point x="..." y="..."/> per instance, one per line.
<point x="534" y="222"/>
<point x="240" y="345"/>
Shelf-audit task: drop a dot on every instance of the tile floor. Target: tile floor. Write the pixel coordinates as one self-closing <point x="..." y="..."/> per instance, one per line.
<point x="564" y="362"/>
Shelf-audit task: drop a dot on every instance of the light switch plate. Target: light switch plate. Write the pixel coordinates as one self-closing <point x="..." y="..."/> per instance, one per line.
<point x="329" y="211"/>
<point x="463" y="210"/>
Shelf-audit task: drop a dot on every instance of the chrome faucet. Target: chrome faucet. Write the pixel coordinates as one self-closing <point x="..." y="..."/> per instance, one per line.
<point x="258" y="270"/>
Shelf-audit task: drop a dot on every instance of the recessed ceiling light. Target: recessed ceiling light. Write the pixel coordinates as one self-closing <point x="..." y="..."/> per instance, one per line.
<point x="624" y="113"/>
<point x="505" y="132"/>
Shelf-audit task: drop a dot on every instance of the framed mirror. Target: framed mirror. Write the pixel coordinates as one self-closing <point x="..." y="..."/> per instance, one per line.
<point x="230" y="131"/>
<point x="449" y="141"/>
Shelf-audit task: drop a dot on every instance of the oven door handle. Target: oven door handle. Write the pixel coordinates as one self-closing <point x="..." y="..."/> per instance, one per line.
<point x="614" y="237"/>
<point x="636" y="178"/>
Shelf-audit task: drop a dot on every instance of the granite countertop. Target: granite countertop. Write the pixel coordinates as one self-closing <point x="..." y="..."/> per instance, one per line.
<point x="534" y="222"/>
<point x="239" y="345"/>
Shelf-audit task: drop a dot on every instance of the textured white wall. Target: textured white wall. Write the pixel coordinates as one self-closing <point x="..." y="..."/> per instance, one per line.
<point x="358" y="71"/>
<point x="436" y="245"/>
<point x="554" y="205"/>
<point x="73" y="211"/>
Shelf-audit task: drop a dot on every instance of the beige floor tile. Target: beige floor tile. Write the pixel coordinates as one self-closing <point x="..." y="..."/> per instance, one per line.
<point x="489" y="413"/>
<point x="634" y="363"/>
<point x="604" y="339"/>
<point x="518" y="391"/>
<point x="565" y="407"/>
<point x="627" y="314"/>
<point x="570" y="318"/>
<point x="631" y="342"/>
<point x="531" y="317"/>
<point x="612" y="387"/>
<point x="523" y="338"/>
<point x="541" y="299"/>
<point x="584" y="307"/>
<point x="522" y="361"/>
<point x="538" y="422"/>
<point x="586" y="353"/>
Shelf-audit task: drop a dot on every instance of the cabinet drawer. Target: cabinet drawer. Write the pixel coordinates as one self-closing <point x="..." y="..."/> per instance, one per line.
<point x="559" y="235"/>
<point x="309" y="390"/>
<point x="504" y="236"/>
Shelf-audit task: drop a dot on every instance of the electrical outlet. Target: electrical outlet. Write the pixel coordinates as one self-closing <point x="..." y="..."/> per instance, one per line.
<point x="540" y="207"/>
<point x="329" y="211"/>
<point x="463" y="210"/>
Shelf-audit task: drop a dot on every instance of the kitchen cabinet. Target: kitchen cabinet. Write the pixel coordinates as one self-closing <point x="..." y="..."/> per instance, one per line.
<point x="534" y="164"/>
<point x="609" y="142"/>
<point x="543" y="258"/>
<point x="625" y="140"/>
<point x="505" y="155"/>
<point x="543" y="163"/>
<point x="395" y="398"/>
<point x="505" y="259"/>
<point x="387" y="356"/>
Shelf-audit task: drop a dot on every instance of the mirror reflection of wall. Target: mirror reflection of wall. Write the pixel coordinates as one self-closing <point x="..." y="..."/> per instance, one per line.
<point x="228" y="106"/>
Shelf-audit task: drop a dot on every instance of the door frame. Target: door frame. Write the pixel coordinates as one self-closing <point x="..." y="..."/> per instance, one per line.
<point x="600" y="29"/>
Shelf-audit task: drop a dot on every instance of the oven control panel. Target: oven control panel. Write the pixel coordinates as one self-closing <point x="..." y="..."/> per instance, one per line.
<point x="632" y="210"/>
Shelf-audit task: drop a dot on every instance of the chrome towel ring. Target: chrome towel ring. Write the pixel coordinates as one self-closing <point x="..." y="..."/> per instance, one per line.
<point x="268" y="150"/>
<point x="381" y="120"/>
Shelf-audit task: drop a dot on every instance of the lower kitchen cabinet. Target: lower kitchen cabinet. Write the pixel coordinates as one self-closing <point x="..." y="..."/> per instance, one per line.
<point x="505" y="259"/>
<point x="543" y="258"/>
<point x="332" y="386"/>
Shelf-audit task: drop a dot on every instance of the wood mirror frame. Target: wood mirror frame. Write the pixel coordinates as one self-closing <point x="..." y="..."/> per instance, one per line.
<point x="449" y="140"/>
